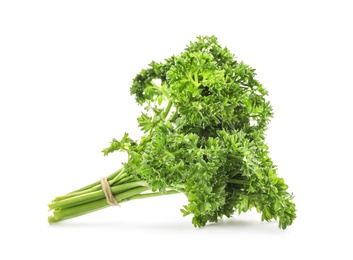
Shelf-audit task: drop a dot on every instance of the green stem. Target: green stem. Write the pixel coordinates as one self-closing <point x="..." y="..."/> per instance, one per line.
<point x="112" y="179"/>
<point x="196" y="79"/>
<point x="235" y="181"/>
<point x="175" y="115"/>
<point x="95" y="195"/>
<point x="167" y="109"/>
<point x="98" y="182"/>
<point x="150" y="195"/>
<point x="75" y="211"/>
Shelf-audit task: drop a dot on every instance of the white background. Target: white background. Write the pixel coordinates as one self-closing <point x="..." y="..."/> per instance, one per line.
<point x="65" y="72"/>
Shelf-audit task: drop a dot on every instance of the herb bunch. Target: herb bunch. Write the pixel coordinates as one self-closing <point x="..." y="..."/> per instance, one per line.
<point x="204" y="122"/>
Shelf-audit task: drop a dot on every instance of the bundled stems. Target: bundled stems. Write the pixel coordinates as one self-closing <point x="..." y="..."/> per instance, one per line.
<point x="91" y="198"/>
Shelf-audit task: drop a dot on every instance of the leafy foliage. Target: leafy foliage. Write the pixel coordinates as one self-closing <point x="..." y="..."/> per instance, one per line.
<point x="204" y="126"/>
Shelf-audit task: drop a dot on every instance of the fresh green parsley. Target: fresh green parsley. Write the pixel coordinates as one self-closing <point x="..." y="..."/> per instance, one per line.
<point x="204" y="122"/>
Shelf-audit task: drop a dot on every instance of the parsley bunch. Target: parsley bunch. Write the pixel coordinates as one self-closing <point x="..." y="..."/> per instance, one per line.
<point x="204" y="135"/>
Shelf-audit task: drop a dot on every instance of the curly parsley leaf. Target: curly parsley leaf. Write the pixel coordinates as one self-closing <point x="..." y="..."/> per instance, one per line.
<point x="208" y="142"/>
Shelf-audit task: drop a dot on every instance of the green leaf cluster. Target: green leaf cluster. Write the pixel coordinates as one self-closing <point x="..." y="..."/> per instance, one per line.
<point x="204" y="135"/>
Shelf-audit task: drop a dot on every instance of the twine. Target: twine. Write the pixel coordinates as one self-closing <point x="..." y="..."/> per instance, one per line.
<point x="108" y="192"/>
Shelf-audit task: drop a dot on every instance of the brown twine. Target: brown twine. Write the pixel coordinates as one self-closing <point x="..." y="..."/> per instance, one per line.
<point x="108" y="192"/>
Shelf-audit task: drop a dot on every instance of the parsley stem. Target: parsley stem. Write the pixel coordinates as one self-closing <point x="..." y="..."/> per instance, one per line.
<point x="150" y="195"/>
<point x="236" y="181"/>
<point x="88" y="207"/>
<point x="91" y="198"/>
<point x="98" y="182"/>
<point x="167" y="109"/>
<point x="75" y="211"/>
<point x="117" y="177"/>
<point x="175" y="115"/>
<point x="95" y="195"/>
